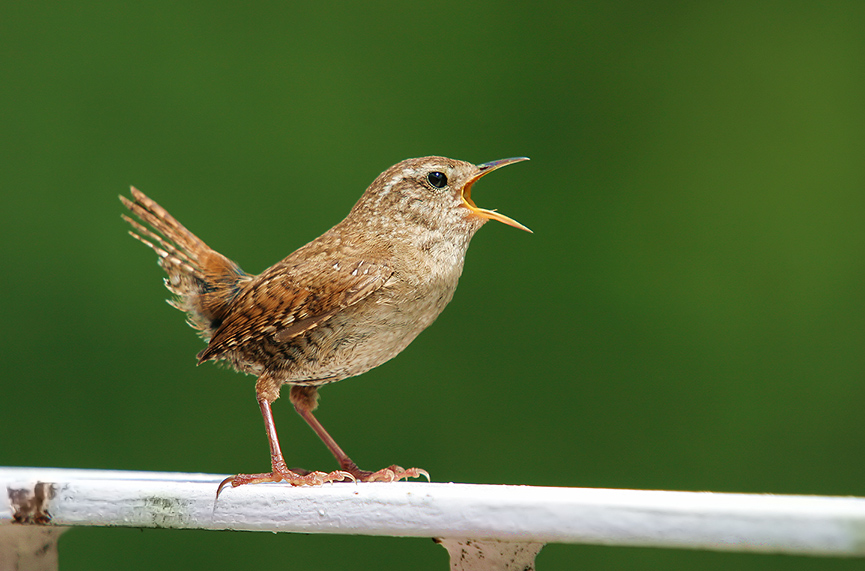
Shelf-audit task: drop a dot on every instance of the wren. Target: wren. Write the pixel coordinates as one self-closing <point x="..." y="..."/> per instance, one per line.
<point x="337" y="307"/>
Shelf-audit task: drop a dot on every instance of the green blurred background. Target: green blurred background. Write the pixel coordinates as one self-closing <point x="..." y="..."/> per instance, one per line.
<point x="689" y="314"/>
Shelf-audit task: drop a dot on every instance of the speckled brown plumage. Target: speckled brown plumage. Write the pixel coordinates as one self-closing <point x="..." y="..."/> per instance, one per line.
<point x="337" y="307"/>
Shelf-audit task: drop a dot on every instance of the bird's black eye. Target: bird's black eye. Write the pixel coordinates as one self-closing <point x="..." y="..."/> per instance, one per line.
<point x="437" y="179"/>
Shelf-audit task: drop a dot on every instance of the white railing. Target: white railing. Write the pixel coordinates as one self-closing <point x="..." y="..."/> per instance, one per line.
<point x="494" y="524"/>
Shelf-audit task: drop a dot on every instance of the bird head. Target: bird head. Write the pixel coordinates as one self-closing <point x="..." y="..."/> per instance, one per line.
<point x="429" y="194"/>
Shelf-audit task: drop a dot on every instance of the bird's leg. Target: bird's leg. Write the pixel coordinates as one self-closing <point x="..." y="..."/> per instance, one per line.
<point x="305" y="400"/>
<point x="280" y="472"/>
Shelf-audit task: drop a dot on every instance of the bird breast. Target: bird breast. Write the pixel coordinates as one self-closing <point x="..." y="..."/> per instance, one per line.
<point x="376" y="329"/>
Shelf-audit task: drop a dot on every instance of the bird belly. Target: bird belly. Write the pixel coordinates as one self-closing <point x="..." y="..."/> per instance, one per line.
<point x="360" y="338"/>
<point x="363" y="335"/>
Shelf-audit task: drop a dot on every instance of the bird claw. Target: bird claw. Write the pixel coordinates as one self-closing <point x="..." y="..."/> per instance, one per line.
<point x="287" y="476"/>
<point x="393" y="474"/>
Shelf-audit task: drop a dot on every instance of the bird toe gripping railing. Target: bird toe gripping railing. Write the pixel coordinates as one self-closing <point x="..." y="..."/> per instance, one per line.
<point x="483" y="527"/>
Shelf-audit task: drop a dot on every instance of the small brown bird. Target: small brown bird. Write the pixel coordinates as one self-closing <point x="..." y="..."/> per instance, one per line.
<point x="339" y="306"/>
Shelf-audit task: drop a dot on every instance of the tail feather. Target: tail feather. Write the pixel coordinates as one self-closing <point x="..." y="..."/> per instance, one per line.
<point x="165" y="250"/>
<point x="204" y="281"/>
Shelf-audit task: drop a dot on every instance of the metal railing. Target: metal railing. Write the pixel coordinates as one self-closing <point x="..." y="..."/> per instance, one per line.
<point x="487" y="526"/>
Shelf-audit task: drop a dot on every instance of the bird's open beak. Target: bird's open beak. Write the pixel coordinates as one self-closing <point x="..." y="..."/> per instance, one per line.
<point x="487" y="168"/>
